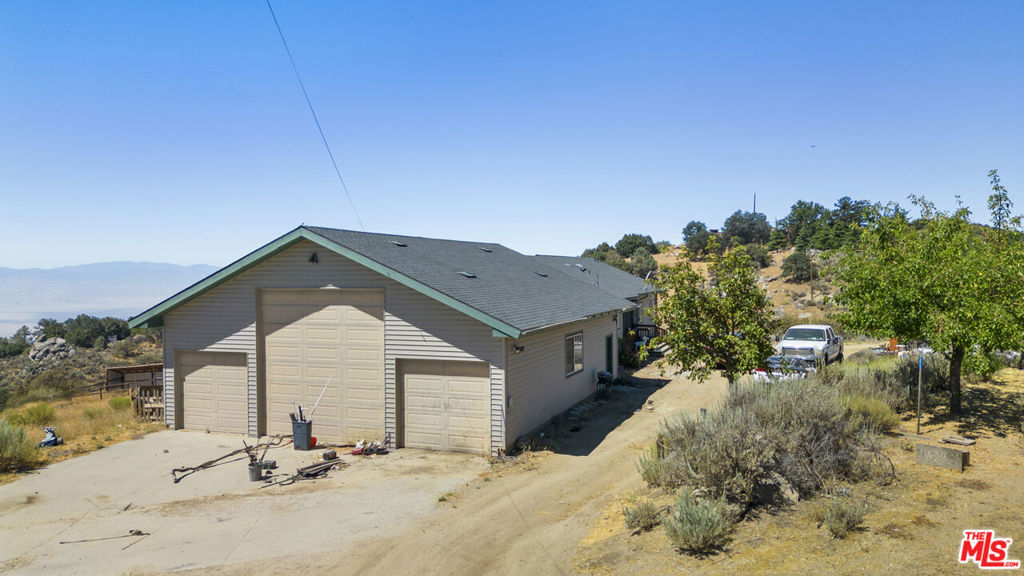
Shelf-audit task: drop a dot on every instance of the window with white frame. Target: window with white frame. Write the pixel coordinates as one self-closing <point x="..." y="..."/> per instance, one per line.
<point x="573" y="354"/>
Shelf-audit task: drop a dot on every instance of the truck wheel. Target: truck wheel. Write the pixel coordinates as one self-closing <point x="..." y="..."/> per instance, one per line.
<point x="839" y="358"/>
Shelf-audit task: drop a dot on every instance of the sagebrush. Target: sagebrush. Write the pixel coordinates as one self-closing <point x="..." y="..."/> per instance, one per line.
<point x="698" y="526"/>
<point x="841" y="515"/>
<point x="796" y="429"/>
<point x="640" y="513"/>
<point x="16" y="450"/>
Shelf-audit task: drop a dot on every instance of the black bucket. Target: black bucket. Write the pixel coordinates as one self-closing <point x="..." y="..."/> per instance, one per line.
<point x="302" y="435"/>
<point x="255" y="471"/>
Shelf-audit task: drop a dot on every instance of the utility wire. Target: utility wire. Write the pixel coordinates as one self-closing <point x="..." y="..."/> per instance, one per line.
<point x="315" y="119"/>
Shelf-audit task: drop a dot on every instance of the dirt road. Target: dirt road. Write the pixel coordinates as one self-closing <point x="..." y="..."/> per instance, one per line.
<point x="525" y="520"/>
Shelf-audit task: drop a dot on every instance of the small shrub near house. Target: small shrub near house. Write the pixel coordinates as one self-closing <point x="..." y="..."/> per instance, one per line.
<point x="698" y="526"/>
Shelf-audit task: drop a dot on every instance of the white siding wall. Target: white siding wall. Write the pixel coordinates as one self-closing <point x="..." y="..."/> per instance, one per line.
<point x="535" y="379"/>
<point x="224" y="319"/>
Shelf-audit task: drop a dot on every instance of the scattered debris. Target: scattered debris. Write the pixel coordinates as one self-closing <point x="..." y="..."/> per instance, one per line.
<point x="957" y="440"/>
<point x="180" y="473"/>
<point x="51" y="438"/>
<point x="373" y="448"/>
<point x="315" y="470"/>
<point x="128" y="535"/>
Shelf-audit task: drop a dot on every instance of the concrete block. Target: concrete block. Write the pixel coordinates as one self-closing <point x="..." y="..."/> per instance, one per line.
<point x="942" y="457"/>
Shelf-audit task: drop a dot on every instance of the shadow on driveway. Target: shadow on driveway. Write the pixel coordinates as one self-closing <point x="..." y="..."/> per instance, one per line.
<point x="579" y="437"/>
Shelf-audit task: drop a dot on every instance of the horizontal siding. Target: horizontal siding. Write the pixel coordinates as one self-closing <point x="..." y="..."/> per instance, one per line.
<point x="224" y="319"/>
<point x="537" y="386"/>
<point x="417" y="327"/>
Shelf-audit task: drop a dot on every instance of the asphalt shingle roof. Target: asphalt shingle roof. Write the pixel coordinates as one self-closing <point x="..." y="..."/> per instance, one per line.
<point x="604" y="276"/>
<point x="508" y="286"/>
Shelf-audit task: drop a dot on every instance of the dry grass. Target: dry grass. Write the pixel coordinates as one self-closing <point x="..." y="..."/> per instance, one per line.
<point x="86" y="424"/>
<point x="783" y="295"/>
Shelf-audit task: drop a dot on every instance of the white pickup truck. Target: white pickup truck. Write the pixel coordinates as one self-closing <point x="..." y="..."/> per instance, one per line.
<point x="816" y="343"/>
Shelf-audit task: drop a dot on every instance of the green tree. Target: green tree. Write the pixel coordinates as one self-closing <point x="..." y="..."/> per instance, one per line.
<point x="724" y="322"/>
<point x="115" y="328"/>
<point x="600" y="253"/>
<point x="612" y="258"/>
<point x="83" y="329"/>
<point x="797" y="267"/>
<point x="802" y="221"/>
<point x="759" y="256"/>
<point x="942" y="279"/>
<point x="642" y="263"/>
<point x="51" y="328"/>
<point x="629" y="244"/>
<point x="746" y="228"/>
<point x="696" y="236"/>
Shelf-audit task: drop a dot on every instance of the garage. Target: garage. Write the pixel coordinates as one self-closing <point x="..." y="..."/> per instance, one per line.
<point x="445" y="405"/>
<point x="311" y="336"/>
<point x="213" y="390"/>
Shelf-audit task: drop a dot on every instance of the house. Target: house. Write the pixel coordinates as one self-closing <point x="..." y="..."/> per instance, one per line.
<point x="434" y="344"/>
<point x="613" y="280"/>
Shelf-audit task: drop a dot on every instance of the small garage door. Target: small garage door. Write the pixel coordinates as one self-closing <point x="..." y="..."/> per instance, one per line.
<point x="312" y="335"/>
<point x="445" y="405"/>
<point x="213" y="391"/>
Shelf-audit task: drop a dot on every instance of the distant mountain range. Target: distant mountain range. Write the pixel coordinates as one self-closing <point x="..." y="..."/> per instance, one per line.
<point x="119" y="289"/>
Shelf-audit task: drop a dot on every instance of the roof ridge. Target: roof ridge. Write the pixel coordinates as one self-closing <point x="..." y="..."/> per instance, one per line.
<point x="389" y="235"/>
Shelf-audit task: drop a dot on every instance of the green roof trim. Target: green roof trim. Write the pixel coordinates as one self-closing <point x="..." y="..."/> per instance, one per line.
<point x="154" y="316"/>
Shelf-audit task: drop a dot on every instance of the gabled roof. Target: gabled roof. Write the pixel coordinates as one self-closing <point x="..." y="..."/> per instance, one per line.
<point x="508" y="291"/>
<point x="604" y="276"/>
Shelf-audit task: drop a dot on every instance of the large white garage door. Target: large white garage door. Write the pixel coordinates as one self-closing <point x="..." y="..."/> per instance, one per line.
<point x="311" y="335"/>
<point x="213" y="391"/>
<point x="445" y="405"/>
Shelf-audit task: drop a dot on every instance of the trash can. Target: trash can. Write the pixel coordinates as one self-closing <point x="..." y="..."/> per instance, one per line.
<point x="255" y="471"/>
<point x="302" y="434"/>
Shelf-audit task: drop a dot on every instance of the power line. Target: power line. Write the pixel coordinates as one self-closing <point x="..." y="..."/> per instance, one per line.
<point x="315" y="119"/>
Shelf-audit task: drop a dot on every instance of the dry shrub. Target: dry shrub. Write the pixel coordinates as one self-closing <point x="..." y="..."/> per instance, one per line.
<point x="805" y="423"/>
<point x="699" y="526"/>
<point x="841" y="515"/>
<point x="667" y="473"/>
<point x="865" y="412"/>
<point x="726" y="454"/>
<point x="16" y="450"/>
<point x="795" y="429"/>
<point x="640" y="513"/>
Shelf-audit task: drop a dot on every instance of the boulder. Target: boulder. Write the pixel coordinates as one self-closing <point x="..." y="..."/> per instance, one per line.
<point x="51" y="350"/>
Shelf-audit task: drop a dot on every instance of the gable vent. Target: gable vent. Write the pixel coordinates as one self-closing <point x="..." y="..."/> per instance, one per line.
<point x="399" y="243"/>
<point x="467" y="274"/>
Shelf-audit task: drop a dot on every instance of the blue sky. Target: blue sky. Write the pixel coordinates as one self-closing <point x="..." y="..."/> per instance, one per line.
<point x="176" y="132"/>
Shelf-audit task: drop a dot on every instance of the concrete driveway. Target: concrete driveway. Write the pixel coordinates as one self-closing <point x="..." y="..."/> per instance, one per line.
<point x="213" y="517"/>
